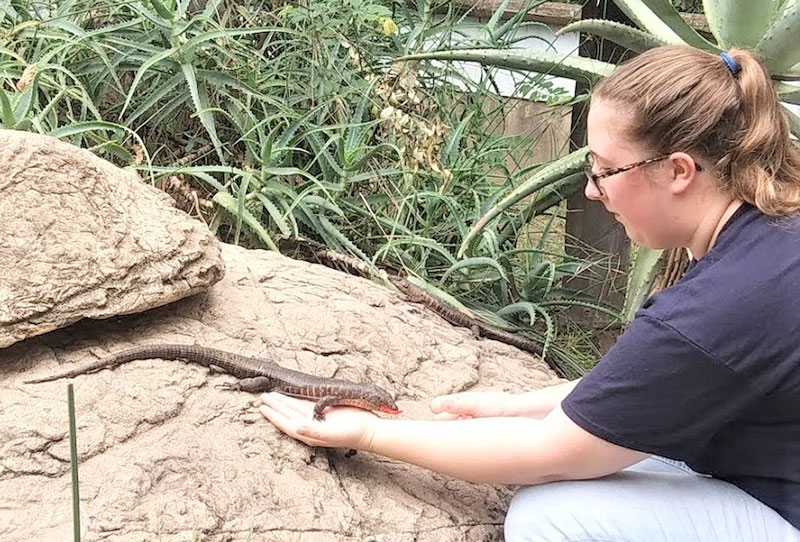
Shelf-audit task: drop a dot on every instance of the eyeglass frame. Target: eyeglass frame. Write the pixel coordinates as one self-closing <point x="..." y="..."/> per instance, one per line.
<point x="594" y="178"/>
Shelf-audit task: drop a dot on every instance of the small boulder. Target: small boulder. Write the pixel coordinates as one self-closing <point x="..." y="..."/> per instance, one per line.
<point x="82" y="238"/>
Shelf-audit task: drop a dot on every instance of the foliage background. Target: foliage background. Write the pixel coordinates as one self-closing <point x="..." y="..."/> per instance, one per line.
<point x="275" y="121"/>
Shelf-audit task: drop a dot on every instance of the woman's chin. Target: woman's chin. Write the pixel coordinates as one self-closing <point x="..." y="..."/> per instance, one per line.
<point x="638" y="239"/>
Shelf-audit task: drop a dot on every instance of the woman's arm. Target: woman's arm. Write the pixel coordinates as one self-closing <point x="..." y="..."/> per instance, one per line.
<point x="509" y="450"/>
<point x="533" y="404"/>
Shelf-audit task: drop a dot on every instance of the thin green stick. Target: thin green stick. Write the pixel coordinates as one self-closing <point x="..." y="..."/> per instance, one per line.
<point x="73" y="460"/>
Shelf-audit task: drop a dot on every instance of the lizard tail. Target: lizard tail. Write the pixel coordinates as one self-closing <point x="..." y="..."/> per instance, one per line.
<point x="105" y="363"/>
<point x="93" y="368"/>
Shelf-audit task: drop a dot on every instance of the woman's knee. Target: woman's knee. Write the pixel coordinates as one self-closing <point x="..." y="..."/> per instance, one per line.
<point x="547" y="512"/>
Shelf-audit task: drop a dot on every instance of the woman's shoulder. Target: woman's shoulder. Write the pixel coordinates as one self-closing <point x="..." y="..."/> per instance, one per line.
<point x="742" y="303"/>
<point x="756" y="261"/>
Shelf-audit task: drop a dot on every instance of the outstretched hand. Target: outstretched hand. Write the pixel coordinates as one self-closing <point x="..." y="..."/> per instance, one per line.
<point x="343" y="427"/>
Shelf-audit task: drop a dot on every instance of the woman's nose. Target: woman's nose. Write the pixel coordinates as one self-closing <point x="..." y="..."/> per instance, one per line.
<point x="591" y="191"/>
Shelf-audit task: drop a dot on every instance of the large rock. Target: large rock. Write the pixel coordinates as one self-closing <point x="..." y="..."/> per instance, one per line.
<point x="82" y="238"/>
<point x="166" y="456"/>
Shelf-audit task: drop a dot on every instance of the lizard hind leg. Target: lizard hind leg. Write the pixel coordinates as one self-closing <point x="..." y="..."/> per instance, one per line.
<point x="258" y="384"/>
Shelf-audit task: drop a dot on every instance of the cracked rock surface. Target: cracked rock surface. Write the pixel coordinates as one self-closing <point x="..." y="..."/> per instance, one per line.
<point x="82" y="238"/>
<point x="165" y="455"/>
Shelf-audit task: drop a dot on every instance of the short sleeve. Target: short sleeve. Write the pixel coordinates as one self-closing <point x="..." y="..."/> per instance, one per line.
<point x="657" y="392"/>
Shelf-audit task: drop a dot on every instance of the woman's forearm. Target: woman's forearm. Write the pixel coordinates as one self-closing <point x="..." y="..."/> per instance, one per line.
<point x="539" y="403"/>
<point x="485" y="450"/>
<point x="500" y="450"/>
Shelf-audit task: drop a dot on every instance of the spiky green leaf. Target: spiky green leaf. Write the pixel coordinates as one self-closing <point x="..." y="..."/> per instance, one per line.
<point x="548" y="175"/>
<point x="200" y="100"/>
<point x="739" y="24"/>
<point x="230" y="204"/>
<point x="156" y="96"/>
<point x="343" y="240"/>
<point x="525" y="307"/>
<point x="794" y="122"/>
<point x="152" y="61"/>
<point x="161" y="9"/>
<point x="574" y="67"/>
<point x="780" y="46"/>
<point x="84" y="127"/>
<point x="275" y="214"/>
<point x="644" y="272"/>
<point x="661" y="19"/>
<point x="414" y="240"/>
<point x="792" y="74"/>
<point x="7" y="117"/>
<point x="627" y="36"/>
<point x="453" y="143"/>
<point x="474" y="262"/>
<point x="788" y="93"/>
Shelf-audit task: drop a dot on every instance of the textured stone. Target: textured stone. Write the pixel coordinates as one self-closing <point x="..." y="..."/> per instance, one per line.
<point x="167" y="456"/>
<point x="82" y="238"/>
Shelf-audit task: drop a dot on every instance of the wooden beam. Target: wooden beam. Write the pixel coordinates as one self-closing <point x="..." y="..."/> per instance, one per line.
<point x="555" y="13"/>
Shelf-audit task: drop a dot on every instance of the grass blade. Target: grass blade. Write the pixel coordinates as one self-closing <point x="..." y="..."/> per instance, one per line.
<point x="73" y="462"/>
<point x="227" y="202"/>
<point x="201" y="107"/>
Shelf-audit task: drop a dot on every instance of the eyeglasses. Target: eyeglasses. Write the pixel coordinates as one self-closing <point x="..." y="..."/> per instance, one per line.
<point x="594" y="178"/>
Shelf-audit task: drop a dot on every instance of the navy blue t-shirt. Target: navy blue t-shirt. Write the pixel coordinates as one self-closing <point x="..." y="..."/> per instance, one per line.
<point x="709" y="370"/>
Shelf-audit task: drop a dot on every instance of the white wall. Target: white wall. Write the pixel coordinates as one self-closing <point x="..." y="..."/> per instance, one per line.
<point x="538" y="37"/>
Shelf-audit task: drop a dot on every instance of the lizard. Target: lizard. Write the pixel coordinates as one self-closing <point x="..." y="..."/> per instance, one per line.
<point x="458" y="318"/>
<point x="255" y="376"/>
<point x="314" y="252"/>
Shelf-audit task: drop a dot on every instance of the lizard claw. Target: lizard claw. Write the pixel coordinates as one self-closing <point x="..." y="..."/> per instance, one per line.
<point x="227" y="386"/>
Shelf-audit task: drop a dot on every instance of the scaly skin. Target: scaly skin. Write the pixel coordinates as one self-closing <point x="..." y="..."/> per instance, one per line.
<point x="457" y="318"/>
<point x="255" y="376"/>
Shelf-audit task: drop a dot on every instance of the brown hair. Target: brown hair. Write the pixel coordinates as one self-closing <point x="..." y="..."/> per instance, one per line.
<point x="685" y="99"/>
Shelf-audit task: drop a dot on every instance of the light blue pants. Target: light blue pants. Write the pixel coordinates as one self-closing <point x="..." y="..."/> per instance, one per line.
<point x="656" y="500"/>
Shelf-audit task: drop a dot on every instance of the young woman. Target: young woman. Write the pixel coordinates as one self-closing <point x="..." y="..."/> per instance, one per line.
<point x="688" y="429"/>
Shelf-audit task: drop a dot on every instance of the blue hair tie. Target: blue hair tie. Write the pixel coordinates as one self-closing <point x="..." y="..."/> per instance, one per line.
<point x="732" y="65"/>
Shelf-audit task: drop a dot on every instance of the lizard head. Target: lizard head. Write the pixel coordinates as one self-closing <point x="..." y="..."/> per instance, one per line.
<point x="384" y="401"/>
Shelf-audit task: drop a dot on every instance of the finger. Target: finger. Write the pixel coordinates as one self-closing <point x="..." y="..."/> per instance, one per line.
<point x="291" y="425"/>
<point x="276" y="398"/>
<point x="288" y="405"/>
<point x="314" y="433"/>
<point x="442" y="403"/>
<point x="278" y="405"/>
<point x="287" y="424"/>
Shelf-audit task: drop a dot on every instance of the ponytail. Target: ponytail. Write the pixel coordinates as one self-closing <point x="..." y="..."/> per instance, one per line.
<point x="764" y="162"/>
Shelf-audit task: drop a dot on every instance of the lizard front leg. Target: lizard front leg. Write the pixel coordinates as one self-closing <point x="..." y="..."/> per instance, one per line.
<point x="322" y="404"/>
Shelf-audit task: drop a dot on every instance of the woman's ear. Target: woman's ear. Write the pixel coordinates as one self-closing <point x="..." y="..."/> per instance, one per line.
<point x="683" y="170"/>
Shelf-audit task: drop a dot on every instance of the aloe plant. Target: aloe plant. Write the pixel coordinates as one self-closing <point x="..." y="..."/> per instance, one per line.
<point x="770" y="28"/>
<point x="323" y="135"/>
